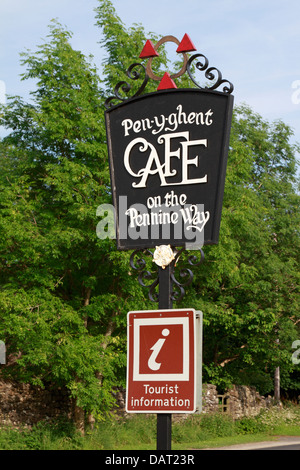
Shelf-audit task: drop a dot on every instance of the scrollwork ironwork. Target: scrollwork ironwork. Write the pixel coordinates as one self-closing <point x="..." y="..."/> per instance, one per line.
<point x="180" y="280"/>
<point x="125" y="87"/>
<point x="211" y="73"/>
<point x="145" y="274"/>
<point x="185" y="273"/>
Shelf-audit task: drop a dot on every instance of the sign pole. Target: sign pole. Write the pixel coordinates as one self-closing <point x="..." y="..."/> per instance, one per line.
<point x="164" y="420"/>
<point x="165" y="287"/>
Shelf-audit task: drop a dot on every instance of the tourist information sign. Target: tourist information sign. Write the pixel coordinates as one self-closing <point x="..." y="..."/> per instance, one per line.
<point x="164" y="361"/>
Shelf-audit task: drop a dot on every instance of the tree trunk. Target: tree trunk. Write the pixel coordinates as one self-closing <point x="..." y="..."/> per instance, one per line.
<point x="79" y="417"/>
<point x="277" y="381"/>
<point x="79" y="413"/>
<point x="277" y="385"/>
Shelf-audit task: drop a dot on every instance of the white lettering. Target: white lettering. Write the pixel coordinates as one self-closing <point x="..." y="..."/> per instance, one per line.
<point x="154" y="165"/>
<point x="168" y="154"/>
<point x="171" y="199"/>
<point x="153" y="202"/>
<point x="164" y="216"/>
<point x="116" y="460"/>
<point x="195" y="218"/>
<point x="170" y="402"/>
<point x="158" y="123"/>
<point x="167" y="389"/>
<point x="186" y="162"/>
<point x="144" y="172"/>
<point x="127" y="123"/>
<point x="181" y="115"/>
<point x="146" y="124"/>
<point x="208" y="121"/>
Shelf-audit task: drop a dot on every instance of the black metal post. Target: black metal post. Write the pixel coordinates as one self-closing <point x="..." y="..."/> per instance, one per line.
<point x="164" y="420"/>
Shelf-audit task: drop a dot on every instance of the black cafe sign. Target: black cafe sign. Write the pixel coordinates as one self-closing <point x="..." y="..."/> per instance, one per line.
<point x="168" y="155"/>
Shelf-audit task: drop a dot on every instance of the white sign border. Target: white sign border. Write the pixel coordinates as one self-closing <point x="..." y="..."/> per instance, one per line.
<point x="137" y="323"/>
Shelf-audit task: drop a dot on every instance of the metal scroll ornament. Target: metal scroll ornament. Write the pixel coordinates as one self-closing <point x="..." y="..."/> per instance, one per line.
<point x="213" y="79"/>
<point x="212" y="74"/>
<point x="134" y="73"/>
<point x="165" y="255"/>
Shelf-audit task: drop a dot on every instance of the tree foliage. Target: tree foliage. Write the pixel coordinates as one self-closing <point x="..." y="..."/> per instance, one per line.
<point x="65" y="293"/>
<point x="249" y="287"/>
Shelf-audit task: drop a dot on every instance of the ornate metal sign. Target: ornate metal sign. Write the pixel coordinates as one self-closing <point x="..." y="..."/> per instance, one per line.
<point x="168" y="154"/>
<point x="168" y="162"/>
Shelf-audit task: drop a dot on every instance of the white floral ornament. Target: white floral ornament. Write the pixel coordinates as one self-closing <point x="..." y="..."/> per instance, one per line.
<point x="163" y="255"/>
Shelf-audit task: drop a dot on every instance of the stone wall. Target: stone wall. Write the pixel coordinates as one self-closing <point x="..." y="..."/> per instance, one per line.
<point x="22" y="405"/>
<point x="25" y="405"/>
<point x="210" y="399"/>
<point x="239" y="401"/>
<point x="245" y="401"/>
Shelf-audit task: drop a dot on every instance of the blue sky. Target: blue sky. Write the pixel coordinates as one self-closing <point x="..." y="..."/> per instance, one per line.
<point x="255" y="44"/>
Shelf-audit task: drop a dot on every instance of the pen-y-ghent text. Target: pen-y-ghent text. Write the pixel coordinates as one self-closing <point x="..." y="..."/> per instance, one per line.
<point x="170" y="123"/>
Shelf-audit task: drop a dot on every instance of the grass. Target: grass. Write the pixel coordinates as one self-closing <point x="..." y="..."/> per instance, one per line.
<point x="138" y="432"/>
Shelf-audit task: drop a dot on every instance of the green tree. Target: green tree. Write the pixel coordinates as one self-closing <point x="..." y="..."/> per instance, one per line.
<point x="64" y="292"/>
<point x="123" y="47"/>
<point x="248" y="285"/>
<point x="63" y="297"/>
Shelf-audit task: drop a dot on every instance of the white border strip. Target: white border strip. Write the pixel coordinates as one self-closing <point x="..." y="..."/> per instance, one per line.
<point x="137" y="323"/>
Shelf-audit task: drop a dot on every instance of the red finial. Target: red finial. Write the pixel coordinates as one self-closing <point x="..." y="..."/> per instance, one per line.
<point x="148" y="51"/>
<point x="186" y="45"/>
<point x="166" y="82"/>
